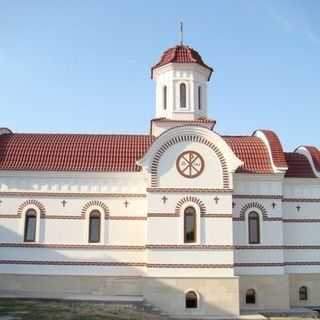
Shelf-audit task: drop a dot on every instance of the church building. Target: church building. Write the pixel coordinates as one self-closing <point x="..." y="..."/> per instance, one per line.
<point x="192" y="222"/>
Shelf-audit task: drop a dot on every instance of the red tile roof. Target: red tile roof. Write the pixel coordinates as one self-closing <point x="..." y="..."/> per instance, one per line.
<point x="278" y="157"/>
<point x="180" y="54"/>
<point x="298" y="166"/>
<point x="252" y="151"/>
<point x="72" y="152"/>
<point x="315" y="154"/>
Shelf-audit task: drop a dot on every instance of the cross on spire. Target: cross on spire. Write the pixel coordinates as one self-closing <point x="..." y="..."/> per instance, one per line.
<point x="181" y="33"/>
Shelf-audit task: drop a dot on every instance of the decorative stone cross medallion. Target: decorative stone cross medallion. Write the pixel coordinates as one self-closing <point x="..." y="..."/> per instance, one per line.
<point x="126" y="203"/>
<point x="164" y="199"/>
<point x="190" y="164"/>
<point x="64" y="202"/>
<point x="216" y="199"/>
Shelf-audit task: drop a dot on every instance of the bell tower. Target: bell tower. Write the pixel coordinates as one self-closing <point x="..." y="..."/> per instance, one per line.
<point x="181" y="79"/>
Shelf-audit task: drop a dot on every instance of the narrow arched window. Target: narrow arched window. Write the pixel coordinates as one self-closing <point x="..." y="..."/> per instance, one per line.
<point x="94" y="226"/>
<point x="164" y="98"/>
<point x="250" y="296"/>
<point x="183" y="95"/>
<point x="30" y="226"/>
<point x="254" y="228"/>
<point x="303" y="293"/>
<point x="189" y="225"/>
<point x="199" y="98"/>
<point x="191" y="300"/>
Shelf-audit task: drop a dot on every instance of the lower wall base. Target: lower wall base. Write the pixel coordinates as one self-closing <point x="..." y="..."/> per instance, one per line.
<point x="218" y="297"/>
<point x="272" y="292"/>
<point x="312" y="282"/>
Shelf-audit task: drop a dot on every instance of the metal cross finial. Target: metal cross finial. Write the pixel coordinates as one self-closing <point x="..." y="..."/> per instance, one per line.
<point x="64" y="202"/>
<point x="216" y="199"/>
<point x="181" y="33"/>
<point x="126" y="203"/>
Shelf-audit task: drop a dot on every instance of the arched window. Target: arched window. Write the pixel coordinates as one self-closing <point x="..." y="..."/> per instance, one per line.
<point x="191" y="300"/>
<point x="189" y="225"/>
<point x="254" y="227"/>
<point x="165" y="98"/>
<point x="303" y="293"/>
<point x="30" y="226"/>
<point x="183" y="95"/>
<point x="94" y="226"/>
<point x="199" y="98"/>
<point x="250" y="296"/>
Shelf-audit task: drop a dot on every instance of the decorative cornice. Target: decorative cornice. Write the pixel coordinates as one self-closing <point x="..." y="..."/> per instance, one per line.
<point x="301" y="220"/>
<point x="190" y="247"/>
<point x="80" y="217"/>
<point x="191" y="265"/>
<point x="162" y="215"/>
<point x="187" y="190"/>
<point x="214" y="215"/>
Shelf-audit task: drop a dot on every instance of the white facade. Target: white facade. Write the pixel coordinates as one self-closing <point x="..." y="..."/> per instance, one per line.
<point x="142" y="252"/>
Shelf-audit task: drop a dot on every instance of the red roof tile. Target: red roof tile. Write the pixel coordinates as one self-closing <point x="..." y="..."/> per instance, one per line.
<point x="180" y="54"/>
<point x="315" y="154"/>
<point x="278" y="157"/>
<point x="252" y="151"/>
<point x="298" y="166"/>
<point x="72" y="152"/>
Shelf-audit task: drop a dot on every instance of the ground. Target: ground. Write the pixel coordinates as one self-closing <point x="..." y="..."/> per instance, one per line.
<point x="12" y="309"/>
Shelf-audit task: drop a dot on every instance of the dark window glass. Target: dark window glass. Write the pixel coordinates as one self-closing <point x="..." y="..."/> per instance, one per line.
<point x="250" y="297"/>
<point x="191" y="300"/>
<point x="183" y="96"/>
<point x="199" y="98"/>
<point x="94" y="226"/>
<point x="303" y="293"/>
<point x="189" y="225"/>
<point x="254" y="228"/>
<point x="165" y="97"/>
<point x="30" y="226"/>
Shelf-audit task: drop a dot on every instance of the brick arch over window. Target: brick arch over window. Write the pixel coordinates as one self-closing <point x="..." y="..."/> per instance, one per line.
<point x="36" y="203"/>
<point x="95" y="203"/>
<point x="251" y="206"/>
<point x="192" y="199"/>
<point x="188" y="138"/>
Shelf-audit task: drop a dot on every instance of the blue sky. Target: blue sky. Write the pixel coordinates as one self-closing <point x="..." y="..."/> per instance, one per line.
<point x="84" y="66"/>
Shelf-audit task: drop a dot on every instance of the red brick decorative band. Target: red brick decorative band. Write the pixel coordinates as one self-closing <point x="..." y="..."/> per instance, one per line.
<point x="74" y="263"/>
<point x="190" y="247"/>
<point x="127" y="218"/>
<point x="72" y="194"/>
<point x="71" y="246"/>
<point x="193" y="266"/>
<point x="162" y="215"/>
<point x="214" y="215"/>
<point x="301" y="220"/>
<point x="188" y="138"/>
<point x="81" y="217"/>
<point x="257" y="196"/>
<point x="187" y="190"/>
<point x="301" y="200"/>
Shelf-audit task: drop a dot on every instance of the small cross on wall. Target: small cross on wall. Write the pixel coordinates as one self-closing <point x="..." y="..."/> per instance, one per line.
<point x="126" y="203"/>
<point x="274" y="205"/>
<point x="233" y="204"/>
<point x="64" y="202"/>
<point x="216" y="199"/>
<point x="164" y="199"/>
<point x="298" y="208"/>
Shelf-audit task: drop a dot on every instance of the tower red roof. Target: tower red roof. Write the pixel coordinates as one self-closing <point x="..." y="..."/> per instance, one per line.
<point x="180" y="54"/>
